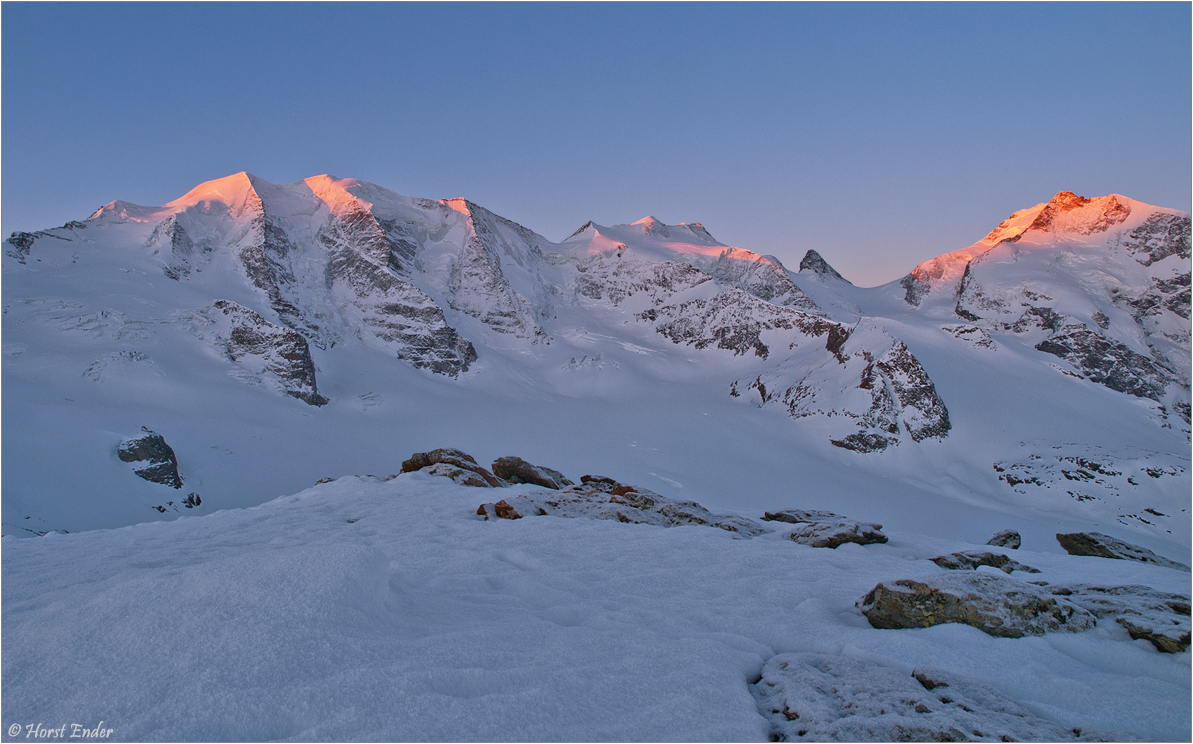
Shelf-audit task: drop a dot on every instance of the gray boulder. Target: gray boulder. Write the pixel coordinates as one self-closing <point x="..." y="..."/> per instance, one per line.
<point x="836" y="533"/>
<point x="1145" y="613"/>
<point x="822" y="529"/>
<point x="821" y="697"/>
<point x="452" y="463"/>
<point x="971" y="559"/>
<point x="152" y="458"/>
<point x="517" y="470"/>
<point x="600" y="497"/>
<point x="1006" y="539"/>
<point x="1105" y="546"/>
<point x="800" y="516"/>
<point x="999" y="606"/>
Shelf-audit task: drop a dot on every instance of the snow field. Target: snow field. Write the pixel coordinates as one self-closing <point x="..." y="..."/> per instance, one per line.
<point x="418" y="621"/>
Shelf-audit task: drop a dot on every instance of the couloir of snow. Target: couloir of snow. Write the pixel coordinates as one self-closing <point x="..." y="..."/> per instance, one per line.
<point x="361" y="610"/>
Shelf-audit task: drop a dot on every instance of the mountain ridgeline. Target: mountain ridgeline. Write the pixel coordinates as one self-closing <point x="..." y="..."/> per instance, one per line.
<point x="279" y="286"/>
<point x="332" y="259"/>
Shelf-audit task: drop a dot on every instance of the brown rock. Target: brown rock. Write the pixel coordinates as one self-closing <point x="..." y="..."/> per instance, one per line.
<point x="971" y="559"/>
<point x="835" y="533"/>
<point x="505" y="511"/>
<point x="999" y="606"/>
<point x="455" y="458"/>
<point x="517" y="470"/>
<point x="1105" y="546"/>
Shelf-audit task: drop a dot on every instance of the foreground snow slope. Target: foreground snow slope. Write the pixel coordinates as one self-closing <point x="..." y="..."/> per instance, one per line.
<point x="361" y="610"/>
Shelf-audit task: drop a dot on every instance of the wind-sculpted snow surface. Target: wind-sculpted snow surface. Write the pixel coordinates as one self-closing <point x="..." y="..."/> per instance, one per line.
<point x="821" y="697"/>
<point x="386" y="609"/>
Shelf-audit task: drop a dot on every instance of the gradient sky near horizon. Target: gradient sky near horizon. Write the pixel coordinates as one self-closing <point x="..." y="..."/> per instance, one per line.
<point x="879" y="135"/>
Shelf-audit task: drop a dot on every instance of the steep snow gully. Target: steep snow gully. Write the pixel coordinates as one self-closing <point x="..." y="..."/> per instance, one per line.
<point x="172" y="371"/>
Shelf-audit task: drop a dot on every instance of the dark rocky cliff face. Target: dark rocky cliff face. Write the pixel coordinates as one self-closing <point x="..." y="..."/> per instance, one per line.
<point x="152" y="458"/>
<point x="813" y="262"/>
<point x="279" y="353"/>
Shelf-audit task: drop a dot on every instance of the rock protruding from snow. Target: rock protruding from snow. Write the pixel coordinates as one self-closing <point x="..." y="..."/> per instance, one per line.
<point x="814" y="263"/>
<point x="452" y="463"/>
<point x="478" y="286"/>
<point x="1108" y="362"/>
<point x="821" y="529"/>
<point x="999" y="606"/>
<point x="500" y="510"/>
<point x="517" y="470"/>
<point x="279" y="355"/>
<point x="820" y="697"/>
<point x="152" y="458"/>
<point x="615" y="279"/>
<point x="733" y="320"/>
<point x="800" y="516"/>
<point x="1105" y="546"/>
<point x="1158" y="617"/>
<point x="971" y="559"/>
<point x="868" y="381"/>
<point x="836" y="533"/>
<point x="1160" y="236"/>
<point x="1006" y="539"/>
<point x="761" y="276"/>
<point x="599" y="497"/>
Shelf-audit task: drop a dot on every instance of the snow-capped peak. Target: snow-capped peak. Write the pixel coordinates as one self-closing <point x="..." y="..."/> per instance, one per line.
<point x="813" y="262"/>
<point x="1077" y="220"/>
<point x="232" y="192"/>
<point x="1068" y="213"/>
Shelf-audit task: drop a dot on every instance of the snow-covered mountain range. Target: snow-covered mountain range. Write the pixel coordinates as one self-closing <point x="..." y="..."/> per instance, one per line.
<point x="338" y="307"/>
<point x="250" y="340"/>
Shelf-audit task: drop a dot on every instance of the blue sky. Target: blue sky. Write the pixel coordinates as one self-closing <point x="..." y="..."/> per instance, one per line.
<point x="878" y="134"/>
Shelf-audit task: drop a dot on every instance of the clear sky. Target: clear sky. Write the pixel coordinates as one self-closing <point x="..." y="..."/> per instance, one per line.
<point x="878" y="134"/>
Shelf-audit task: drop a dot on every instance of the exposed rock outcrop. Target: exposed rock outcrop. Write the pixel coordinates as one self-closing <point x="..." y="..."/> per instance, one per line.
<point x="732" y="320"/>
<point x="478" y="285"/>
<point x="871" y="381"/>
<point x="971" y="559"/>
<point x="1107" y="362"/>
<point x="452" y="463"/>
<point x="152" y="458"/>
<point x="614" y="279"/>
<point x="1105" y="546"/>
<point x="279" y="356"/>
<point x="1160" y="236"/>
<point x="761" y="276"/>
<point x="1006" y="539"/>
<point x="366" y="265"/>
<point x="821" y="529"/>
<point x="999" y="606"/>
<point x="820" y="697"/>
<point x="517" y="470"/>
<point x="814" y="263"/>
<point x="500" y="510"/>
<point x="1148" y="614"/>
<point x="835" y="534"/>
<point x="599" y="497"/>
